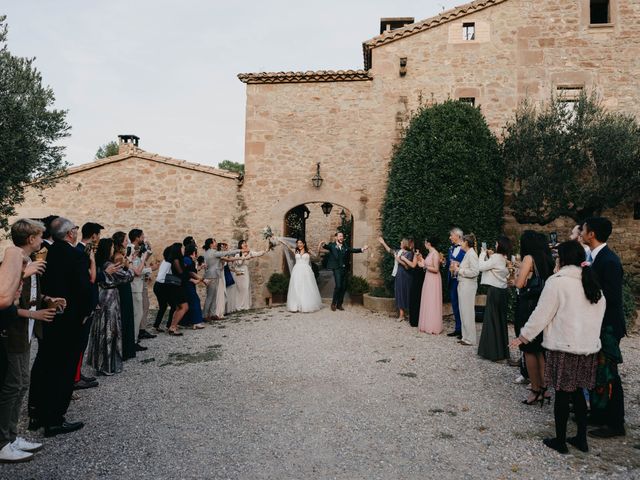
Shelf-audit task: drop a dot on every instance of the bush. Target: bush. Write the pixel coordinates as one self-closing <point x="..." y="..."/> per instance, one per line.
<point x="446" y="172"/>
<point x="278" y="283"/>
<point x="380" y="292"/>
<point x="357" y="285"/>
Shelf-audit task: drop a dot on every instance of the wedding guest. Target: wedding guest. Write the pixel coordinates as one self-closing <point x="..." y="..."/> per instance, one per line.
<point x="570" y="312"/>
<point x="104" y="352"/>
<point x="148" y="269"/>
<point x="26" y="234"/>
<point x="193" y="316"/>
<point x="494" y="339"/>
<point x="607" y="400"/>
<point x="126" y="298"/>
<point x="401" y="268"/>
<point x="213" y="270"/>
<point x="467" y="272"/>
<point x="221" y="298"/>
<point x="417" y="283"/>
<point x="230" y="284"/>
<point x="454" y="257"/>
<point x="162" y="292"/>
<point x="536" y="266"/>
<point x="90" y="237"/>
<point x="67" y="276"/>
<point x="242" y="276"/>
<point x="10" y="275"/>
<point x="177" y="292"/>
<point x="430" y="317"/>
<point x="188" y="241"/>
<point x="138" y="256"/>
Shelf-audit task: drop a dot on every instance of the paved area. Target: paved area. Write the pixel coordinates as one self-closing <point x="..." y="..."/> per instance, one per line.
<point x="345" y="395"/>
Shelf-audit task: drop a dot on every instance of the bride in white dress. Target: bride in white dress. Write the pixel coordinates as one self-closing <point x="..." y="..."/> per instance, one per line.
<point x="303" y="294"/>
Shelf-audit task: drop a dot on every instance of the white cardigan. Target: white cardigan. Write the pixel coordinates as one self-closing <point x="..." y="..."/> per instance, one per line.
<point x="469" y="269"/>
<point x="494" y="270"/>
<point x="571" y="323"/>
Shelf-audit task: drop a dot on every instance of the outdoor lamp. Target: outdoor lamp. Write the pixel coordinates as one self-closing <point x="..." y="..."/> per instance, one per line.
<point x="326" y="207"/>
<point x="317" y="179"/>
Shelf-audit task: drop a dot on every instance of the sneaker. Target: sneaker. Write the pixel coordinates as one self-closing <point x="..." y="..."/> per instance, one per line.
<point x="8" y="454"/>
<point x="26" y="446"/>
<point x="521" y="380"/>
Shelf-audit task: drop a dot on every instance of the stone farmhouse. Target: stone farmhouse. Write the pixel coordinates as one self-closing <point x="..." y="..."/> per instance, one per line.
<point x="323" y="139"/>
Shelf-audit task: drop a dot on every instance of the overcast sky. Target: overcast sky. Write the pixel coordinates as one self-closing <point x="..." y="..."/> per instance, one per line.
<point x="166" y="71"/>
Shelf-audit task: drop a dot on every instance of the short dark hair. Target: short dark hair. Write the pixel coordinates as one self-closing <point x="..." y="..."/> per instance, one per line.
<point x="90" y="228"/>
<point x="188" y="240"/>
<point x="504" y="246"/>
<point x="47" y="225"/>
<point x="134" y="234"/>
<point x="600" y="226"/>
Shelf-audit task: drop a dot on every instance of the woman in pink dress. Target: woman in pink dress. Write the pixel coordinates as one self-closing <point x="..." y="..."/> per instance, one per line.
<point x="430" y="320"/>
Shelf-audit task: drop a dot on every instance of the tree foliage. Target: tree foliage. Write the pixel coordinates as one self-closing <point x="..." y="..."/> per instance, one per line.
<point x="29" y="130"/>
<point x="231" y="166"/>
<point x="107" y="150"/>
<point x="446" y="172"/>
<point x="570" y="159"/>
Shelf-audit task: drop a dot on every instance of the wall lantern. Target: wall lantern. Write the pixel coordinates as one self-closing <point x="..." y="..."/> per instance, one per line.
<point x="317" y="179"/>
<point x="326" y="207"/>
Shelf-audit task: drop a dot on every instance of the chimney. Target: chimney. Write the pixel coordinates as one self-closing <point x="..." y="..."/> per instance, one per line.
<point x="127" y="143"/>
<point x="393" y="23"/>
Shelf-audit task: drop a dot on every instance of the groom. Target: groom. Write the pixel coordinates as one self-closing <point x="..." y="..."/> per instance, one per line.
<point x="338" y="255"/>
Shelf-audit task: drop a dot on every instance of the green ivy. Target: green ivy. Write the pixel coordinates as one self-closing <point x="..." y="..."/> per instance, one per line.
<point x="446" y="172"/>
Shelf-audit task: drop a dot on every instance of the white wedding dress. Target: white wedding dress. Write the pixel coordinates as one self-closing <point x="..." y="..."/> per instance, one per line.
<point x="303" y="295"/>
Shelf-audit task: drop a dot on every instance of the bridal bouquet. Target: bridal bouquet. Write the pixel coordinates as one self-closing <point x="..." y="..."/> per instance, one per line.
<point x="268" y="234"/>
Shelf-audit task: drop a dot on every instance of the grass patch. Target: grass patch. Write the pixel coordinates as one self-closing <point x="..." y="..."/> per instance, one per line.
<point x="212" y="352"/>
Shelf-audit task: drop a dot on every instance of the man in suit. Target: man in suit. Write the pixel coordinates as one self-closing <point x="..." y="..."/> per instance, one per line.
<point x="456" y="254"/>
<point x="607" y="400"/>
<point x="90" y="238"/>
<point x="67" y="276"/>
<point x="27" y="235"/>
<point x="338" y="258"/>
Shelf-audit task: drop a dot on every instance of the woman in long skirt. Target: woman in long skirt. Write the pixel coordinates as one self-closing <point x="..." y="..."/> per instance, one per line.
<point x="401" y="272"/>
<point x="430" y="318"/>
<point x="242" y="276"/>
<point x="494" y="339"/>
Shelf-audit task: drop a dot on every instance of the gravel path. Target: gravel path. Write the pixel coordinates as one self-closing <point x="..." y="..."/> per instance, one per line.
<point x="345" y="395"/>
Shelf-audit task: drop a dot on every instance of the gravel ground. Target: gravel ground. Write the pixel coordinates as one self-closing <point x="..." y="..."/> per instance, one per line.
<point x="346" y="395"/>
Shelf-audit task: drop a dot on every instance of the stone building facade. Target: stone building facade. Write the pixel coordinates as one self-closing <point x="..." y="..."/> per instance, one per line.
<point x="493" y="53"/>
<point x="167" y="198"/>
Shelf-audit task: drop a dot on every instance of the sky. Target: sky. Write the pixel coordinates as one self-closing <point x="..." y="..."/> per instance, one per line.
<point x="167" y="71"/>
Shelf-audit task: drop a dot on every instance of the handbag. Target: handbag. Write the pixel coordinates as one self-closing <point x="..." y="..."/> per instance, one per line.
<point x="535" y="284"/>
<point x="228" y="278"/>
<point x="171" y="279"/>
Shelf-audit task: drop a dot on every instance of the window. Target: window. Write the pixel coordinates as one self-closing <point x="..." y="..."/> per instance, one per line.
<point x="470" y="100"/>
<point x="599" y="11"/>
<point x="569" y="96"/>
<point x="468" y="31"/>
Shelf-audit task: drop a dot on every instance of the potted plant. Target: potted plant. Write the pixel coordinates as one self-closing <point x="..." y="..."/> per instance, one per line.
<point x="357" y="287"/>
<point x="278" y="285"/>
<point x="380" y="299"/>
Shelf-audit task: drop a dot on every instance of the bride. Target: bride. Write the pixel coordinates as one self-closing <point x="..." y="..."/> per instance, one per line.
<point x="303" y="295"/>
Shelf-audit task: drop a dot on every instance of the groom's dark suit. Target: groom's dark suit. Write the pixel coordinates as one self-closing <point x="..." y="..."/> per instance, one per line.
<point x="337" y="261"/>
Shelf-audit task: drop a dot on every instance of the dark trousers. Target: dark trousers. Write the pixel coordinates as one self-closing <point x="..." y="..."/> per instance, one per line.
<point x="340" y="277"/>
<point x="453" y="293"/>
<point x="53" y="372"/>
<point x="82" y="345"/>
<point x="163" y="294"/>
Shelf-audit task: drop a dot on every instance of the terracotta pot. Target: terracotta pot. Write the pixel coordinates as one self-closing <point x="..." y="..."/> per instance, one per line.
<point x="379" y="304"/>
<point x="356" y="299"/>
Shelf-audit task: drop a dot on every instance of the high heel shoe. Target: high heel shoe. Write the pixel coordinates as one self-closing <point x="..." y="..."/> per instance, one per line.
<point x="543" y="390"/>
<point x="535" y="400"/>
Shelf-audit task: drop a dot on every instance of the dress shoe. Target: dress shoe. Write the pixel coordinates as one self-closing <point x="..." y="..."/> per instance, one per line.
<point x="34" y="424"/>
<point x="339" y="307"/>
<point x="558" y="446"/>
<point x="455" y="334"/>
<point x="26" y="446"/>
<point x="333" y="307"/>
<point x="145" y="334"/>
<point x="81" y="385"/>
<point x="9" y="454"/>
<point x="64" y="427"/>
<point x="579" y="443"/>
<point x="607" y="432"/>
<point x="140" y="348"/>
<point x="87" y="379"/>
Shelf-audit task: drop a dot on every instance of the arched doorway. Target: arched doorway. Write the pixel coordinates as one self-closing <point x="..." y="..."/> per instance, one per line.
<point x="315" y="222"/>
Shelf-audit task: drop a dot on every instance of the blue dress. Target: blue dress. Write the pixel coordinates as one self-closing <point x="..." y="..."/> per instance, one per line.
<point x="194" y="314"/>
<point x="403" y="284"/>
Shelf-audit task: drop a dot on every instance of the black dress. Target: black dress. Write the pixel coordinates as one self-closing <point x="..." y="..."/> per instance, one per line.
<point x="415" y="295"/>
<point x="128" y="329"/>
<point x="525" y="305"/>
